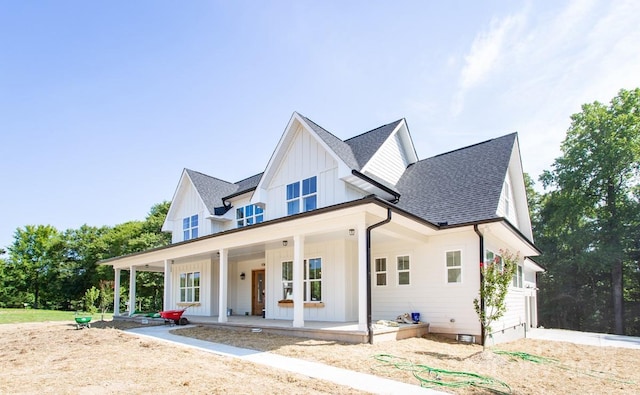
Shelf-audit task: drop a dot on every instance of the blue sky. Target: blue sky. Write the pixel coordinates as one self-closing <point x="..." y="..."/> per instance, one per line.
<point x="102" y="104"/>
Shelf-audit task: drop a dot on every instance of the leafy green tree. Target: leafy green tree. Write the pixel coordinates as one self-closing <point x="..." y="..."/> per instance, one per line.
<point x="34" y="257"/>
<point x="90" y="298"/>
<point x="491" y="305"/>
<point x="593" y="183"/>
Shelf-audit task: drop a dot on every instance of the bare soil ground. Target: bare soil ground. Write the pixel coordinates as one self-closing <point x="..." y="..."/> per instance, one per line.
<point x="57" y="358"/>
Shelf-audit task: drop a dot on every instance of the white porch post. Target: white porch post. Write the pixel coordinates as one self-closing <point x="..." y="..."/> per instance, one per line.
<point x="298" y="281"/>
<point x="116" y="293"/>
<point x="222" y="297"/>
<point x="167" y="285"/>
<point x="362" y="277"/>
<point x="132" y="290"/>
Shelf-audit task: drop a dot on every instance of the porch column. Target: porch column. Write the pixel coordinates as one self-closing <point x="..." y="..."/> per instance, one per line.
<point x="364" y="280"/>
<point x="166" y="301"/>
<point x="116" y="293"/>
<point x="222" y="297"/>
<point x="132" y="290"/>
<point x="298" y="281"/>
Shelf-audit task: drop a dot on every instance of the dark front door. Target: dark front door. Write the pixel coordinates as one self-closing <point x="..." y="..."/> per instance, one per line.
<point x="257" y="292"/>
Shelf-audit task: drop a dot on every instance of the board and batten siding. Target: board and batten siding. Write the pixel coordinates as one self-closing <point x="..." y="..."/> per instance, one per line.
<point x="507" y="203"/>
<point x="337" y="280"/>
<point x="448" y="308"/>
<point x="188" y="203"/>
<point x="389" y="162"/>
<point x="306" y="157"/>
<point x="204" y="267"/>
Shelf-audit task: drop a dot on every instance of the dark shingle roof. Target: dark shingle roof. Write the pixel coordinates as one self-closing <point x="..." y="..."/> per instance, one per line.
<point x="367" y="144"/>
<point x="212" y="190"/>
<point x="460" y="186"/>
<point x="342" y="149"/>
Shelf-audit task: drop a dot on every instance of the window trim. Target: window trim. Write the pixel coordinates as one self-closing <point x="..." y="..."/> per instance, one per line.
<point x="285" y="281"/>
<point x="399" y="271"/>
<point x="299" y="198"/>
<point x="447" y="267"/>
<point x="255" y="218"/>
<point x="188" y="287"/>
<point x="188" y="229"/>
<point x="306" y="282"/>
<point x="377" y="272"/>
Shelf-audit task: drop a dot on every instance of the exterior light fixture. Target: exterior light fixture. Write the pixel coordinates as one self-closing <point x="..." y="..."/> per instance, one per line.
<point x="284" y="243"/>
<point x="352" y="232"/>
<point x="242" y="276"/>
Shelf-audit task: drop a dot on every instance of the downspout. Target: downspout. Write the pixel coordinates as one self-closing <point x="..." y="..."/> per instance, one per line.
<point x="475" y="228"/>
<point x="369" y="229"/>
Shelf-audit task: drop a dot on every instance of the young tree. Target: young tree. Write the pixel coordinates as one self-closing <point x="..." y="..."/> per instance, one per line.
<point x="496" y="277"/>
<point x="596" y="176"/>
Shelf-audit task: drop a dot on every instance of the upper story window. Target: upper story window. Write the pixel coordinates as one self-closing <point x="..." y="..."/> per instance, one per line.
<point x="302" y="196"/>
<point x="249" y="215"/>
<point x="454" y="267"/>
<point x="403" y="270"/>
<point x="190" y="227"/>
<point x="517" y="277"/>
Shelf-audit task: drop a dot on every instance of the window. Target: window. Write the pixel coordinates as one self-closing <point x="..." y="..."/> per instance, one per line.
<point x="403" y="270"/>
<point x="287" y="280"/>
<point x="507" y="198"/>
<point x="190" y="227"/>
<point x="517" y="277"/>
<point x="313" y="280"/>
<point x="491" y="257"/>
<point x="302" y="200"/>
<point x="190" y="287"/>
<point x="381" y="271"/>
<point x="454" y="266"/>
<point x="249" y="215"/>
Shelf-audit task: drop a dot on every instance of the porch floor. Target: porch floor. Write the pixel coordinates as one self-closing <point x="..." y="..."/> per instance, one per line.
<point x="322" y="330"/>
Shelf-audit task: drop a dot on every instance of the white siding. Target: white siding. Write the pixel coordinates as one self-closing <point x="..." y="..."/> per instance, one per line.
<point x="186" y="204"/>
<point x="204" y="267"/>
<point x="507" y="206"/>
<point x="305" y="158"/>
<point x="389" y="163"/>
<point x="447" y="307"/>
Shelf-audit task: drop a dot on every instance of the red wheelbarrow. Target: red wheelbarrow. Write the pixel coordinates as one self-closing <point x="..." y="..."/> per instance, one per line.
<point x="175" y="316"/>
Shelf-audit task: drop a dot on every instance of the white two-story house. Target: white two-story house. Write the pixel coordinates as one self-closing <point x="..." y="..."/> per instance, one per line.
<point x="349" y="231"/>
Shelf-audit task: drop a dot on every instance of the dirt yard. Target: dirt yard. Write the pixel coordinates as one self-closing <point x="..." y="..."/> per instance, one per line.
<point x="57" y="358"/>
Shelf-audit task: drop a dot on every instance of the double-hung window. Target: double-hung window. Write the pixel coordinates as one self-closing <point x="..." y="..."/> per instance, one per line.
<point x="403" y="270"/>
<point x="313" y="280"/>
<point x="190" y="287"/>
<point x="302" y="196"/>
<point x="491" y="258"/>
<point x="381" y="271"/>
<point x="190" y="227"/>
<point x="287" y="280"/>
<point x="249" y="215"/>
<point x="454" y="267"/>
<point x="517" y="277"/>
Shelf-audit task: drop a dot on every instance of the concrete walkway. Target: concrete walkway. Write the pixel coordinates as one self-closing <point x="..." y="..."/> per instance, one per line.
<point x="349" y="378"/>
<point x="587" y="338"/>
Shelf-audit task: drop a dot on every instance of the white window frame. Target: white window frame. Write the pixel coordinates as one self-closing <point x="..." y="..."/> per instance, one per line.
<point x="189" y="284"/>
<point x="308" y="281"/>
<point x="256" y="217"/>
<point x="287" y="280"/>
<point x="381" y="272"/>
<point x="400" y="271"/>
<point x="487" y="260"/>
<point x="300" y="197"/>
<point x="448" y="268"/>
<point x="189" y="230"/>
<point x="518" y="277"/>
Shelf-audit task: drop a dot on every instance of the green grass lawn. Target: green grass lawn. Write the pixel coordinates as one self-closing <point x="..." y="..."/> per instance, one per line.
<point x="12" y="316"/>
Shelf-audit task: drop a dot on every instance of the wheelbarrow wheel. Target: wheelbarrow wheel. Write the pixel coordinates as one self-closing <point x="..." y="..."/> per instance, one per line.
<point x="183" y="321"/>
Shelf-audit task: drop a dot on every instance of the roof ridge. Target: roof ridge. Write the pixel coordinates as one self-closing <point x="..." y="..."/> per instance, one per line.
<point x="472" y="145"/>
<point x="374" y="129"/>
<point x="309" y="120"/>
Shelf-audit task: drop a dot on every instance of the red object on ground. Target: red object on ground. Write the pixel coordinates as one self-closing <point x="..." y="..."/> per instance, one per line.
<point x="175" y="316"/>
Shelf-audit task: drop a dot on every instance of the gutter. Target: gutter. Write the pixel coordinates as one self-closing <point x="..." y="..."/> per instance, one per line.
<point x="369" y="229"/>
<point x="377" y="184"/>
<point x="481" y="251"/>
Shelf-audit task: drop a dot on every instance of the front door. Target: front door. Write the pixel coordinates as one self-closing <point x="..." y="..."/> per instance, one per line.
<point x="257" y="292"/>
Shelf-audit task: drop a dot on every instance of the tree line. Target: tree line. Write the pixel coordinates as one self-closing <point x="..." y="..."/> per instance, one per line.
<point x="586" y="222"/>
<point x="52" y="269"/>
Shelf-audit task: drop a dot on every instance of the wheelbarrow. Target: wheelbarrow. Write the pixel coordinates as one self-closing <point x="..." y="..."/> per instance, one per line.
<point x="175" y="316"/>
<point x="83" y="322"/>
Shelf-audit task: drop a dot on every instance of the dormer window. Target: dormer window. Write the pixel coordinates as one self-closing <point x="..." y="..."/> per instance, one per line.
<point x="302" y="196"/>
<point x="249" y="215"/>
<point x="190" y="227"/>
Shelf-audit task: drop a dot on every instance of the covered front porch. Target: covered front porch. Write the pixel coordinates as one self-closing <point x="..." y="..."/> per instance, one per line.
<point x="330" y="300"/>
